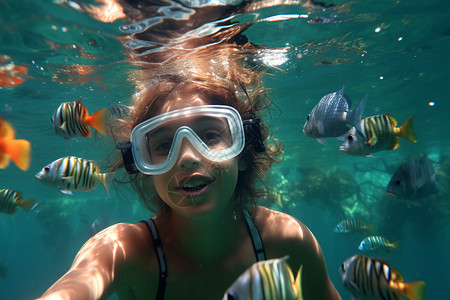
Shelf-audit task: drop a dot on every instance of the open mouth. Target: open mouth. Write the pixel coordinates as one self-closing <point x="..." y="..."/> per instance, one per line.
<point x="195" y="188"/>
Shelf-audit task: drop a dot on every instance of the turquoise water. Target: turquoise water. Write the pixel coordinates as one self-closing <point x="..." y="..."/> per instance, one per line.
<point x="398" y="51"/>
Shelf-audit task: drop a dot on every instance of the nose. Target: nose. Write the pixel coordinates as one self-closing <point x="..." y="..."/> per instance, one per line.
<point x="189" y="158"/>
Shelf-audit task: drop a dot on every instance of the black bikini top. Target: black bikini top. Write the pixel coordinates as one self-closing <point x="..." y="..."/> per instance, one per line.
<point x="258" y="247"/>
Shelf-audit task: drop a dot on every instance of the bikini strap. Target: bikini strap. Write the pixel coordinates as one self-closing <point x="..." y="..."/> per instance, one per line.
<point x="255" y="236"/>
<point x="157" y="245"/>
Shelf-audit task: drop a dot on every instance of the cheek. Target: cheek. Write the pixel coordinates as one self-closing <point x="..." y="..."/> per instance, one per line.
<point x="160" y="183"/>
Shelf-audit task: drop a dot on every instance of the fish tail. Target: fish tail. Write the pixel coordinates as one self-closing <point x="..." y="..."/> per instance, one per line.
<point x="407" y="132"/>
<point x="354" y="116"/>
<point x="396" y="245"/>
<point x="298" y="284"/>
<point x="20" y="153"/>
<point x="27" y="204"/>
<point x="413" y="290"/>
<point x="98" y="120"/>
<point x="370" y="227"/>
<point x="105" y="179"/>
<point x="280" y="203"/>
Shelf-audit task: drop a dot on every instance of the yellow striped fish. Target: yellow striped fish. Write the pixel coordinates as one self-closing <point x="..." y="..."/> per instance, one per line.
<point x="269" y="280"/>
<point x="369" y="278"/>
<point x="353" y="226"/>
<point x="377" y="133"/>
<point x="10" y="200"/>
<point x="376" y="242"/>
<point x="71" y="119"/>
<point x="71" y="173"/>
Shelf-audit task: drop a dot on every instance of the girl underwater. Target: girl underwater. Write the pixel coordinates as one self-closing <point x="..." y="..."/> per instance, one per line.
<point x="198" y="151"/>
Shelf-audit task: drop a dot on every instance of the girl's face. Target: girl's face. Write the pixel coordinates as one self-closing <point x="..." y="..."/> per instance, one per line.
<point x="195" y="185"/>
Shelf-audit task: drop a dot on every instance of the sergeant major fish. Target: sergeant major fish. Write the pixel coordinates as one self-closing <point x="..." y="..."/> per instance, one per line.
<point x="330" y="117"/>
<point x="353" y="226"/>
<point x="71" y="119"/>
<point x="378" y="133"/>
<point x="414" y="180"/>
<point x="371" y="279"/>
<point x="269" y="279"/>
<point x="71" y="173"/>
<point x="10" y="148"/>
<point x="10" y="200"/>
<point x="376" y="242"/>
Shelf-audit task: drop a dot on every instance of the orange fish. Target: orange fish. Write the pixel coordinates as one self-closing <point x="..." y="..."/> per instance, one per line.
<point x="10" y="74"/>
<point x="18" y="150"/>
<point x="72" y="119"/>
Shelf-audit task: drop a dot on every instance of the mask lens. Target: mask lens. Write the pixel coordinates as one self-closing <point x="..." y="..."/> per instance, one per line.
<point x="213" y="132"/>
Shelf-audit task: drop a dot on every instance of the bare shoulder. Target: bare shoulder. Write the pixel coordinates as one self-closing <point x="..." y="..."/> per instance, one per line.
<point x="284" y="235"/>
<point x="279" y="227"/>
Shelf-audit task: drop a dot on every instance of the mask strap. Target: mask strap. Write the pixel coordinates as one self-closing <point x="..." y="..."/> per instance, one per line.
<point x="252" y="128"/>
<point x="127" y="156"/>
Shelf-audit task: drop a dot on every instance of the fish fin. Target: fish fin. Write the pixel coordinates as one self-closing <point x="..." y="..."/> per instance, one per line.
<point x="396" y="245"/>
<point x="342" y="136"/>
<point x="370" y="227"/>
<point x="372" y="141"/>
<point x="413" y="290"/>
<point x="98" y="120"/>
<point x="68" y="178"/>
<point x="27" y="204"/>
<point x="105" y="179"/>
<point x="6" y="129"/>
<point x="280" y="203"/>
<point x="20" y="153"/>
<point x="298" y="284"/>
<point x="4" y="160"/>
<point x="63" y="126"/>
<point x="370" y="155"/>
<point x="407" y="132"/>
<point x="323" y="141"/>
<point x="66" y="192"/>
<point x="320" y="128"/>
<point x="395" y="143"/>
<point x="354" y="116"/>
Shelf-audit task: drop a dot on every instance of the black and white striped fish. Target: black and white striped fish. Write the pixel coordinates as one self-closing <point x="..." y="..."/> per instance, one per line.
<point x="377" y="133"/>
<point x="71" y="173"/>
<point x="377" y="242"/>
<point x="10" y="200"/>
<point x="371" y="279"/>
<point x="269" y="279"/>
<point x="353" y="226"/>
<point x="71" y="119"/>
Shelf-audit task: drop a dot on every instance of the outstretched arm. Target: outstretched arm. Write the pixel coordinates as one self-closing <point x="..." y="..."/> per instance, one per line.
<point x="93" y="269"/>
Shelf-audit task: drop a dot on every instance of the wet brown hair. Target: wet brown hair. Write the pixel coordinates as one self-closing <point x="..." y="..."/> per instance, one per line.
<point x="218" y="76"/>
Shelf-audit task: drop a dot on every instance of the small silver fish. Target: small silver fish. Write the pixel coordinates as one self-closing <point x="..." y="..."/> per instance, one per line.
<point x="71" y="173"/>
<point x="414" y="180"/>
<point x="353" y="226"/>
<point x="371" y="279"/>
<point x="330" y="117"/>
<point x="269" y="279"/>
<point x="10" y="200"/>
<point x="376" y="242"/>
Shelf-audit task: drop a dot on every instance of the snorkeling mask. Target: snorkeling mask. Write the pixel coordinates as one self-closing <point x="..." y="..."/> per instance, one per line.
<point x="216" y="131"/>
